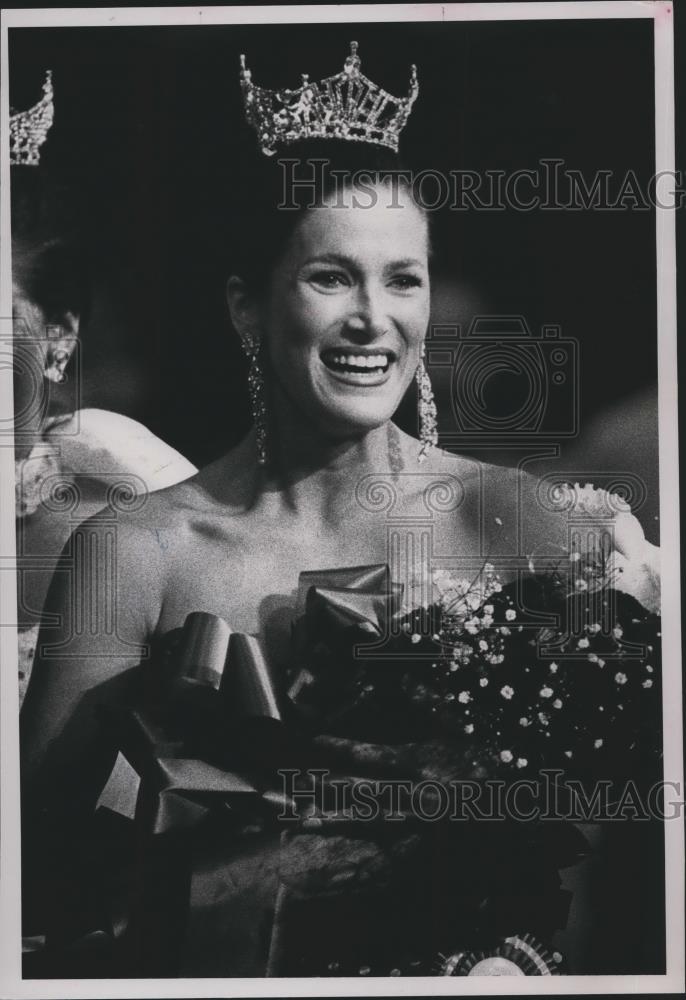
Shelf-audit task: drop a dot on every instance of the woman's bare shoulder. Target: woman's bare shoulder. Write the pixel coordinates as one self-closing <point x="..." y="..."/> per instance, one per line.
<point x="141" y="515"/>
<point x="511" y="508"/>
<point x="147" y="532"/>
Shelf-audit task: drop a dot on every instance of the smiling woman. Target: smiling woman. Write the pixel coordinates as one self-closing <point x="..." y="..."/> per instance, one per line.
<point x="347" y="304"/>
<point x="329" y="293"/>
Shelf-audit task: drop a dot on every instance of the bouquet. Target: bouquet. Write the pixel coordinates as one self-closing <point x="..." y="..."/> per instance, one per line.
<point x="489" y="680"/>
<point x="558" y="669"/>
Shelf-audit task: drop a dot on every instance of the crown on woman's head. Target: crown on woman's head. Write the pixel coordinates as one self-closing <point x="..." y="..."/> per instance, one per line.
<point x="29" y="129"/>
<point x="345" y="106"/>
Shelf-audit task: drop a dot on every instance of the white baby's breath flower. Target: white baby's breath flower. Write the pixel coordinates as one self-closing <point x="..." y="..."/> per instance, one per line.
<point x="507" y="692"/>
<point x="510" y="614"/>
<point x="553" y="668"/>
<point x="484" y="682"/>
<point x="546" y="692"/>
<point x="592" y="657"/>
<point x="618" y="631"/>
<point x="647" y="683"/>
<point x="415" y="637"/>
<point x="504" y="630"/>
<point x="588" y="499"/>
<point x="469" y="728"/>
<point x="557" y="703"/>
<point x="488" y="609"/>
<point x="524" y="721"/>
<point x="506" y="756"/>
<point x="464" y="697"/>
<point x="581" y="584"/>
<point x="583" y="643"/>
<point x="597" y="744"/>
<point x="521" y="761"/>
<point x="483" y="645"/>
<point x="543" y="718"/>
<point x="620" y="678"/>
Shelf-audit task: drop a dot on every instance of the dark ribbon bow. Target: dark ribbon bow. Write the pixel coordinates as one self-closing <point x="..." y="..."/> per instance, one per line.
<point x="218" y="722"/>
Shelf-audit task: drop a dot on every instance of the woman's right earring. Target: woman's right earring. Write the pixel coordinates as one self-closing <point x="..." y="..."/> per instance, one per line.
<point x="258" y="404"/>
<point x="426" y="405"/>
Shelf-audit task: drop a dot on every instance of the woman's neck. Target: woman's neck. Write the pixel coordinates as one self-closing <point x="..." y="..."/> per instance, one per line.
<point x="310" y="475"/>
<point x="316" y="475"/>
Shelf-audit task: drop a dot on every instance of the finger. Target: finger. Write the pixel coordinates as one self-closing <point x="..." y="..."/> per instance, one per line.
<point x="346" y="823"/>
<point x="369" y="756"/>
<point x="313" y="863"/>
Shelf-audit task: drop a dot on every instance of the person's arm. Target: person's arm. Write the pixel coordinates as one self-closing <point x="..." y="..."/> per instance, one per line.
<point x="592" y="520"/>
<point x="100" y="613"/>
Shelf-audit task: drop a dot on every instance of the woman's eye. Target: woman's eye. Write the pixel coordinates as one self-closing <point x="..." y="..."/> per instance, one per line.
<point x="404" y="282"/>
<point x="331" y="280"/>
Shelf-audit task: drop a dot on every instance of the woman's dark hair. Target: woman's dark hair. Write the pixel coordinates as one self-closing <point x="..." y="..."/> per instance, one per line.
<point x="48" y="264"/>
<point x="53" y="275"/>
<point x="275" y="191"/>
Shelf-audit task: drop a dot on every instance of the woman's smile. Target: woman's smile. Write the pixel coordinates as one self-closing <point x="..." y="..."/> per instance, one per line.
<point x="359" y="366"/>
<point x="347" y="313"/>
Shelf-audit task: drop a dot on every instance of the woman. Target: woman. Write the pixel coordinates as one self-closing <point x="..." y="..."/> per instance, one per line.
<point x="332" y="305"/>
<point x="66" y="458"/>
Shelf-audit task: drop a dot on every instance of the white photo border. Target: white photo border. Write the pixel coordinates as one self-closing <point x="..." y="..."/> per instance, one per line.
<point x="11" y="983"/>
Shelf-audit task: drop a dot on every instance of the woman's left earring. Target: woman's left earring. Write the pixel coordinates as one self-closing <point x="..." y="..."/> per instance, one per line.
<point x="256" y="388"/>
<point x="427" y="412"/>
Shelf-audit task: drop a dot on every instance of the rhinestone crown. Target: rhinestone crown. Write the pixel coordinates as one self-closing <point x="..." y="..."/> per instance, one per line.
<point x="345" y="106"/>
<point x="29" y="129"/>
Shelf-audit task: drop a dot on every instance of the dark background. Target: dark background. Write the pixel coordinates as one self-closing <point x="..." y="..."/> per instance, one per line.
<point x="149" y="137"/>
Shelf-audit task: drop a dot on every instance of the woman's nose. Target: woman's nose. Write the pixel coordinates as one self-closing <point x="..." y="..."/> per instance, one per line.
<point x="368" y="318"/>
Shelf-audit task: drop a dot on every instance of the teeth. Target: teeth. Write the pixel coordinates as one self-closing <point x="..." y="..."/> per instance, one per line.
<point x="361" y="361"/>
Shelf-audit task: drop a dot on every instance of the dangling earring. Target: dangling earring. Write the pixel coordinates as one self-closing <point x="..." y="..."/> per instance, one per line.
<point x="426" y="409"/>
<point x="54" y="371"/>
<point x="257" y="400"/>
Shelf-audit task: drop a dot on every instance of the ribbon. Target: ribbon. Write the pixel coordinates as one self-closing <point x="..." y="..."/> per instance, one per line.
<point x="215" y="722"/>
